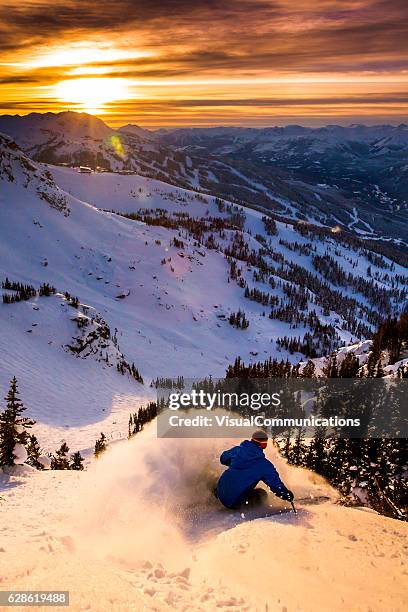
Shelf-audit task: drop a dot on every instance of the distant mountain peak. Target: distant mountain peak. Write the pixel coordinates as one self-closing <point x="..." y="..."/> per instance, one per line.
<point x="68" y="125"/>
<point x="136" y="130"/>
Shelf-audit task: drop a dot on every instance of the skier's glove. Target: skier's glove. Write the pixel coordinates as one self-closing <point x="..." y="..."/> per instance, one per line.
<point x="287" y="495"/>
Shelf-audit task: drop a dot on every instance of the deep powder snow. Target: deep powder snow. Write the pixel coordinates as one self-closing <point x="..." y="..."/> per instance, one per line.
<point x="141" y="530"/>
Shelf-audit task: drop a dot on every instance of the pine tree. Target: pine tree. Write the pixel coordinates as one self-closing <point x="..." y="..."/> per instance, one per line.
<point x="337" y="462"/>
<point x="298" y="448"/>
<point x="309" y="369"/>
<point x="286" y="451"/>
<point x="60" y="460"/>
<point x="13" y="427"/>
<point x="33" y="451"/>
<point x="379" y="370"/>
<point x="77" y="461"/>
<point x="349" y="366"/>
<point x="330" y="369"/>
<point x="316" y="456"/>
<point x="130" y="426"/>
<point x="100" y="445"/>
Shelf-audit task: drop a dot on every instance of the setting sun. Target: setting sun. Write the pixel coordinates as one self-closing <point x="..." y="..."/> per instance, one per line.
<point x="90" y="94"/>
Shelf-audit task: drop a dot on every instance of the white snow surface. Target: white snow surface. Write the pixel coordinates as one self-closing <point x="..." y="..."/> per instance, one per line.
<point x="20" y="454"/>
<point x="140" y="530"/>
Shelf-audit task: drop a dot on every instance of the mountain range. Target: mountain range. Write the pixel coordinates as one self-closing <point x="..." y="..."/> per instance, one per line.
<point x="354" y="178"/>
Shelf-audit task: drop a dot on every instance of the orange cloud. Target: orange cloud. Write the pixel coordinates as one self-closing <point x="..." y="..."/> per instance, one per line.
<point x="235" y="61"/>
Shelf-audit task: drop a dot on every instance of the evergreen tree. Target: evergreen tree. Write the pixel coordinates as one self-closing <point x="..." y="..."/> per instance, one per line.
<point x="349" y="366"/>
<point x="60" y="461"/>
<point x="33" y="451"/>
<point x="379" y="370"/>
<point x="298" y="448"/>
<point x="316" y="456"/>
<point x="13" y="427"/>
<point x="309" y="370"/>
<point x="337" y="464"/>
<point x="330" y="369"/>
<point x="146" y="414"/>
<point x="77" y="461"/>
<point x="286" y="451"/>
<point x="100" y="445"/>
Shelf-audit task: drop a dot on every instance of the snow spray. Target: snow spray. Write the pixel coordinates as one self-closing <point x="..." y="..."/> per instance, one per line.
<point x="140" y="495"/>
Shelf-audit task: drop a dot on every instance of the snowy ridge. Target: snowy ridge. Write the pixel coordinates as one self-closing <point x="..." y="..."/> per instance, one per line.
<point x="16" y="167"/>
<point x="361" y="351"/>
<point x="58" y="354"/>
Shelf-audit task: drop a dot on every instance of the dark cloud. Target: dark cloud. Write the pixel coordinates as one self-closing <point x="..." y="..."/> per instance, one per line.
<point x="373" y="98"/>
<point x="227" y="34"/>
<point x="38" y="21"/>
<point x="12" y="80"/>
<point x="272" y="102"/>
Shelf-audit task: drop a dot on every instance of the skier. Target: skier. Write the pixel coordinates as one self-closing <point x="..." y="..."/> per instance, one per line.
<point x="247" y="465"/>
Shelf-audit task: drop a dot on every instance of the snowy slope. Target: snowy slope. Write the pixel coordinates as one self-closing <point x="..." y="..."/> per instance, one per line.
<point x="134" y="193"/>
<point x="73" y="396"/>
<point x="99" y="257"/>
<point x="159" y="312"/>
<point x="85" y="532"/>
<point x="169" y="305"/>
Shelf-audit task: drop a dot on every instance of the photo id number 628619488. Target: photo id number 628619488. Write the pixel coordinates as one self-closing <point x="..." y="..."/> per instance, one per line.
<point x="34" y="598"/>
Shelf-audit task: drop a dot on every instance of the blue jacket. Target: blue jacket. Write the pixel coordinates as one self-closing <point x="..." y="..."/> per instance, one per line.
<point x="247" y="465"/>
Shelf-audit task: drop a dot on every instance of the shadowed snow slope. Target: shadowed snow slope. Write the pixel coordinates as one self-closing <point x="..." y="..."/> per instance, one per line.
<point x="121" y="536"/>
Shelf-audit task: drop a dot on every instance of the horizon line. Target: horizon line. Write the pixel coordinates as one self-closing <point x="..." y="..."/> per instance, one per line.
<point x="389" y="123"/>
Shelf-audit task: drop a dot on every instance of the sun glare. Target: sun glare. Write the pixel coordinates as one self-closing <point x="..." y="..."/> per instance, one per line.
<point x="91" y="94"/>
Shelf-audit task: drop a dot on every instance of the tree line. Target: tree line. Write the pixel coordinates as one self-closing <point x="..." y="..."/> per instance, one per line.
<point x="16" y="438"/>
<point x="24" y="292"/>
<point x="367" y="470"/>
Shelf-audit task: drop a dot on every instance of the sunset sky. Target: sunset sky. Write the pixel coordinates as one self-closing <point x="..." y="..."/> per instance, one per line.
<point x="207" y="62"/>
